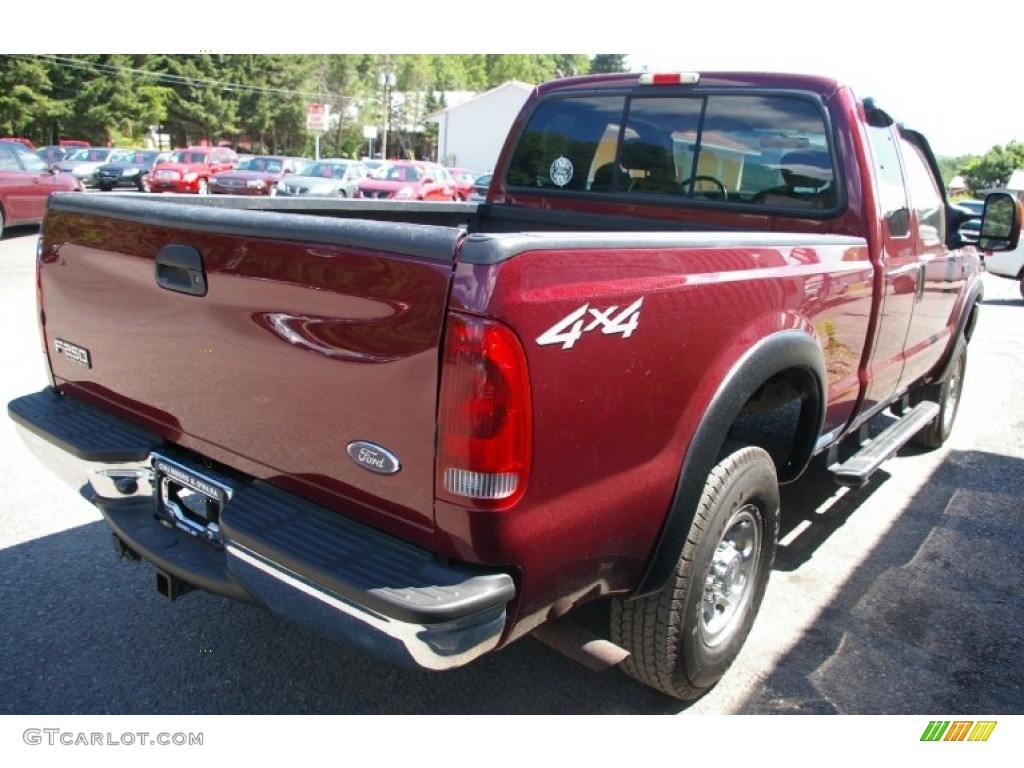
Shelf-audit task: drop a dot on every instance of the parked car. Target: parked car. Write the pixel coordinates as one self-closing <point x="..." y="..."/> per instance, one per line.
<point x="325" y="178"/>
<point x="969" y="229"/>
<point x="1005" y="263"/>
<point x="409" y="180"/>
<point x="83" y="163"/>
<point x="478" y="190"/>
<point x="25" y="183"/>
<point x="463" y="178"/>
<point x="23" y="141"/>
<point x="190" y="170"/>
<point x="977" y="207"/>
<point x="257" y="176"/>
<point x="131" y="170"/>
<point x="71" y="144"/>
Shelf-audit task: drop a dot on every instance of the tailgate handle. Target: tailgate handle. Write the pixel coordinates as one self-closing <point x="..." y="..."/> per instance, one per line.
<point x="180" y="268"/>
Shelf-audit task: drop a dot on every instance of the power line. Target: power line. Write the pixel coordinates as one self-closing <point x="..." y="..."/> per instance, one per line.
<point x="172" y="79"/>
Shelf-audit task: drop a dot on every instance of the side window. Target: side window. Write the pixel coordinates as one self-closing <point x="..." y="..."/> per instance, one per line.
<point x="889" y="177"/>
<point x="33" y="162"/>
<point x="925" y="196"/>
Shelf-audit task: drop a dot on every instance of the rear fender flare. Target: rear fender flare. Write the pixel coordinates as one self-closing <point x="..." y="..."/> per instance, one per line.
<point x="773" y="354"/>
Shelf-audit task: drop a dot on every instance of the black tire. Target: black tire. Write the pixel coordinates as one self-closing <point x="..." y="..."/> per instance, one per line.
<point x="1" y="222"/>
<point x="142" y="184"/>
<point x="947" y="394"/>
<point x="1020" y="287"/>
<point x="683" y="638"/>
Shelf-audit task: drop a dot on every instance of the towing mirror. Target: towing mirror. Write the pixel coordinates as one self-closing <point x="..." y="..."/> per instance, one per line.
<point x="1000" y="222"/>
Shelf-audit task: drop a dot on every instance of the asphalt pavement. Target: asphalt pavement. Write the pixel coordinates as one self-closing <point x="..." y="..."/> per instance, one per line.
<point x="901" y="597"/>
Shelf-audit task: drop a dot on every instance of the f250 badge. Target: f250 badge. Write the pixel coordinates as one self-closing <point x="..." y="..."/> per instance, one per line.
<point x="73" y="352"/>
<point x="570" y="328"/>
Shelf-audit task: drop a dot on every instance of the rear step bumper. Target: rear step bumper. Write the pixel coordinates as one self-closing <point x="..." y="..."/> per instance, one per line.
<point x="316" y="567"/>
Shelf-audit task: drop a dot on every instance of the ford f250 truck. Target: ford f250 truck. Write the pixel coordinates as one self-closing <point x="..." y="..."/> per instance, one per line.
<point x="433" y="429"/>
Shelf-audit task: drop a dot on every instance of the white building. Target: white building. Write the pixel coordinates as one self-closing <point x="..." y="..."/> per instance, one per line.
<point x="471" y="134"/>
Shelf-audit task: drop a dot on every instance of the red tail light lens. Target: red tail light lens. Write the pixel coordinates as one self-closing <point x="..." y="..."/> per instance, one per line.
<point x="484" y="415"/>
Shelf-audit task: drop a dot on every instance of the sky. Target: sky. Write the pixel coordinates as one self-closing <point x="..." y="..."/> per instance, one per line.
<point x="939" y="67"/>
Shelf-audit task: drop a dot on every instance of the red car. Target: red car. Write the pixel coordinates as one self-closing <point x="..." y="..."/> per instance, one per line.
<point x="409" y="180"/>
<point x="189" y="170"/>
<point x="25" y="183"/>
<point x="463" y="178"/>
<point x="258" y="175"/>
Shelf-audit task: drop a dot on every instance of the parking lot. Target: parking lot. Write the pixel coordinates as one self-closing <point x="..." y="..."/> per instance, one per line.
<point x="902" y="597"/>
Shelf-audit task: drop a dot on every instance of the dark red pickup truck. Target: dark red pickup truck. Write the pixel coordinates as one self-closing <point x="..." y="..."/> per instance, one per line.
<point x="430" y="430"/>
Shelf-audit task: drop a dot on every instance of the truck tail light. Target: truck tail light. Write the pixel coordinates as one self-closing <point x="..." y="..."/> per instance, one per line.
<point x="484" y="415"/>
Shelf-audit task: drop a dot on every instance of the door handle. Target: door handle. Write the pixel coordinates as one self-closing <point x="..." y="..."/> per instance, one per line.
<point x="180" y="268"/>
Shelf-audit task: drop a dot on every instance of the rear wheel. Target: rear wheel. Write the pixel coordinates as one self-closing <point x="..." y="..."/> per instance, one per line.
<point x="947" y="394"/>
<point x="683" y="638"/>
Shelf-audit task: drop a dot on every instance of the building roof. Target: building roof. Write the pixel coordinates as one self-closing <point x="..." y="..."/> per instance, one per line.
<point x="517" y="84"/>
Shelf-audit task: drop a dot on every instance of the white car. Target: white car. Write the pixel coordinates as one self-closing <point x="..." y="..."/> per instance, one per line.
<point x="1007" y="264"/>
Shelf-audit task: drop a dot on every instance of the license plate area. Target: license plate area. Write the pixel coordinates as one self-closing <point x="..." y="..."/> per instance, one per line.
<point x="189" y="501"/>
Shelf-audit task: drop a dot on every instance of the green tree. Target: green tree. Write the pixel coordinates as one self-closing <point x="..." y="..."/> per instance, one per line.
<point x="114" y="101"/>
<point x="204" y="105"/>
<point x="608" y="62"/>
<point x="995" y="167"/>
<point x="26" y="104"/>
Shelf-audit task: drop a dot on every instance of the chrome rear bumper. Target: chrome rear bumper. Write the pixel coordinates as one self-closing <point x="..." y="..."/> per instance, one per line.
<point x="264" y="545"/>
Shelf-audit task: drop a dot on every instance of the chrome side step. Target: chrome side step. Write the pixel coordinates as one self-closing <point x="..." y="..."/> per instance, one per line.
<point x="856" y="470"/>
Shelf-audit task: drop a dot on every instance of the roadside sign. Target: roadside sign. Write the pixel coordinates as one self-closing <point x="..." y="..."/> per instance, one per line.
<point x="316" y="117"/>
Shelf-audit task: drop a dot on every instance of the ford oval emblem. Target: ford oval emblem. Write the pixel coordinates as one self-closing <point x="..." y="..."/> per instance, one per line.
<point x="374" y="458"/>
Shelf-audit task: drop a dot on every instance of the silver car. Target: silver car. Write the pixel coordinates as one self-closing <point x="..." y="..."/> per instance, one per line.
<point x="324" y="178"/>
<point x="84" y="163"/>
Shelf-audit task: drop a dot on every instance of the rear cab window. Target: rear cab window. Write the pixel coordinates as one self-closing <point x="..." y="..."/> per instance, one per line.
<point x="770" y="150"/>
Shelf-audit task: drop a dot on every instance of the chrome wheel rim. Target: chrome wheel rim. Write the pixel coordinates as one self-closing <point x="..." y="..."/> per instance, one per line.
<point x="953" y="396"/>
<point x="730" y="581"/>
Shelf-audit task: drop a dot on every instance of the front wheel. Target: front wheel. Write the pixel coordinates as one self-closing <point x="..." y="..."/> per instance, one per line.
<point x="683" y="638"/>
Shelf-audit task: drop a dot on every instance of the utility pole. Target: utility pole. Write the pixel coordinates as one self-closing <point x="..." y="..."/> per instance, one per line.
<point x="386" y="80"/>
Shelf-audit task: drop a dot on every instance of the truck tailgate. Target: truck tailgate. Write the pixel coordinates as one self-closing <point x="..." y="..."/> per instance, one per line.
<point x="298" y="349"/>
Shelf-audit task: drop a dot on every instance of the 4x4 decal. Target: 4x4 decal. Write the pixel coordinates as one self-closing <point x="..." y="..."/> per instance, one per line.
<point x="570" y="328"/>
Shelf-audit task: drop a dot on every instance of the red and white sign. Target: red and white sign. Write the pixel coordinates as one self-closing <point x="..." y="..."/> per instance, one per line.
<point x="316" y="117"/>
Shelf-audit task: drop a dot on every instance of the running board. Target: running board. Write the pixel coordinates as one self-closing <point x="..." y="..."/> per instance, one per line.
<point x="856" y="470"/>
